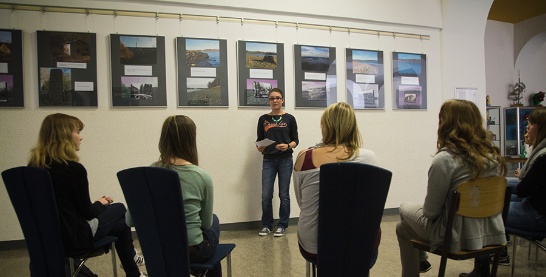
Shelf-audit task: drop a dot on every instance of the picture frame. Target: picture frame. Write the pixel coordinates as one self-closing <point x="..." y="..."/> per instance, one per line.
<point x="365" y="79"/>
<point x="11" y="69"/>
<point x="409" y="81"/>
<point x="202" y="72"/>
<point x="315" y="76"/>
<point x="138" y="71"/>
<point x="261" y="68"/>
<point x="67" y="69"/>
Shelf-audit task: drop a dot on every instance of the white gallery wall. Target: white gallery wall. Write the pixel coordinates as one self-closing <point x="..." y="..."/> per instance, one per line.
<point x="117" y="138"/>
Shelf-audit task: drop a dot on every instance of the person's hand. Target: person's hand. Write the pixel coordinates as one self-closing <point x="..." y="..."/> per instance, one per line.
<point x="282" y="146"/>
<point x="261" y="149"/>
<point x="106" y="200"/>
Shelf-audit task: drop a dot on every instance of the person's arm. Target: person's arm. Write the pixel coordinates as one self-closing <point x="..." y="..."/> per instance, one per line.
<point x="208" y="202"/>
<point x="260" y="133"/>
<point x="76" y="175"/>
<point x="534" y="178"/>
<point x="294" y="138"/>
<point x="439" y="183"/>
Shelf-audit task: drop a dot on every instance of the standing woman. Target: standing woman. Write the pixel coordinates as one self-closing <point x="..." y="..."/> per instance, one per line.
<point x="178" y="152"/>
<point x="464" y="153"/>
<point x="281" y="127"/>
<point x="82" y="221"/>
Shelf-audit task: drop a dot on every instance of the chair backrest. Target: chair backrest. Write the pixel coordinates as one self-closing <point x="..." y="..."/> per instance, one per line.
<point x="31" y="193"/>
<point x="351" y="203"/>
<point x="154" y="199"/>
<point x="479" y="198"/>
<point x="483" y="197"/>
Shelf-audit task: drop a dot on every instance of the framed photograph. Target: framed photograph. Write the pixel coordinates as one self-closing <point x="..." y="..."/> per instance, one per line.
<point x="365" y="79"/>
<point x="315" y="76"/>
<point x="138" y="71"/>
<point x="202" y="72"/>
<point x="261" y="68"/>
<point x="409" y="81"/>
<point x="11" y="69"/>
<point x="67" y="69"/>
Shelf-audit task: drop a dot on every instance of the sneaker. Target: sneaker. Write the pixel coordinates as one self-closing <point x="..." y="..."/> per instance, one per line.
<point x="424" y="266"/>
<point x="264" y="232"/>
<point x="280" y="232"/>
<point x="139" y="259"/>
<point x="503" y="259"/>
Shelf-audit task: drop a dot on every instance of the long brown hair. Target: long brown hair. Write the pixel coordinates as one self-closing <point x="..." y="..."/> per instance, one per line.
<point x="55" y="142"/>
<point x="339" y="127"/>
<point x="178" y="140"/>
<point x="461" y="130"/>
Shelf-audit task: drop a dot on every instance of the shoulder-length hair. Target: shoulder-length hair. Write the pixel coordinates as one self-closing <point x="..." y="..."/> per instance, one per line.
<point x="538" y="117"/>
<point x="55" y="141"/>
<point x="178" y="140"/>
<point x="461" y="130"/>
<point x="339" y="127"/>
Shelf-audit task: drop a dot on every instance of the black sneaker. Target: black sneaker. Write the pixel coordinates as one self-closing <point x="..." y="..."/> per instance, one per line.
<point x="424" y="266"/>
<point x="503" y="259"/>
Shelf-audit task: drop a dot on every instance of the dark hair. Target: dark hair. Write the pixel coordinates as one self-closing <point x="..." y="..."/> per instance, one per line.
<point x="178" y="140"/>
<point x="461" y="130"/>
<point x="276" y="90"/>
<point x="538" y="117"/>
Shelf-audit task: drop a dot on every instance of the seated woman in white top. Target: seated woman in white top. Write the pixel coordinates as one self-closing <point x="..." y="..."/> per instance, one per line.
<point x="341" y="142"/>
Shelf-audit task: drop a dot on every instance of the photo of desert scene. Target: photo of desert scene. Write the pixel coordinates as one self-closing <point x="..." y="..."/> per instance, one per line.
<point x="204" y="92"/>
<point x="409" y="95"/>
<point x="407" y="64"/>
<point x="138" y="88"/>
<point x="257" y="91"/>
<point x="365" y="62"/>
<point x="55" y="86"/>
<point x="70" y="47"/>
<point x="261" y="55"/>
<point x="135" y="50"/>
<point x="202" y="52"/>
<point x="6" y="88"/>
<point x="313" y="91"/>
<point x="315" y="58"/>
<point x="5" y="46"/>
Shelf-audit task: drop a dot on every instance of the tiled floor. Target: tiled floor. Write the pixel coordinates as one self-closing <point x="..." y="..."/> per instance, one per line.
<point x="272" y="256"/>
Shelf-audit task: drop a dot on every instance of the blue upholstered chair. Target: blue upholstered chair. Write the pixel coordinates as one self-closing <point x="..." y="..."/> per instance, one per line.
<point x="351" y="203"/>
<point x="154" y="198"/>
<point x="533" y="238"/>
<point x="33" y="199"/>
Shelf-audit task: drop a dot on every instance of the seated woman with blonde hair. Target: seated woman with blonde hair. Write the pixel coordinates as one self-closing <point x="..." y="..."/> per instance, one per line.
<point x="341" y="142"/>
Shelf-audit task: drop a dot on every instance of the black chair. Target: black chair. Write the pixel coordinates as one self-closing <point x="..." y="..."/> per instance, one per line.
<point x="480" y="198"/>
<point x="33" y="199"/>
<point x="154" y="198"/>
<point x="351" y="203"/>
<point x="533" y="238"/>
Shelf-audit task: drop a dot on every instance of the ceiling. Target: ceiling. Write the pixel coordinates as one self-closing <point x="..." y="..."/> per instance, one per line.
<point x="514" y="11"/>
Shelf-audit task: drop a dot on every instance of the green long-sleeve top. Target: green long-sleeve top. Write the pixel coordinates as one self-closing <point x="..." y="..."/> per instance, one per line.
<point x="198" y="196"/>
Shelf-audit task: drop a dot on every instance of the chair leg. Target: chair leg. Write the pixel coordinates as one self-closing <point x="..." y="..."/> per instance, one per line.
<point x="314" y="266"/>
<point x="229" y="265"/>
<point x="515" y="243"/>
<point x="442" y="270"/>
<point x="307" y="269"/>
<point x="114" y="267"/>
<point x="71" y="265"/>
<point x="495" y="265"/>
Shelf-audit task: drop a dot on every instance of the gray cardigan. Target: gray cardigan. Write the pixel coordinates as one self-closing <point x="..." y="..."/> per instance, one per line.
<point x="445" y="174"/>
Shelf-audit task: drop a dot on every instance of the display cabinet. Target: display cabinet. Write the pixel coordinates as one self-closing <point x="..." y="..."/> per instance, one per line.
<point x="494" y="125"/>
<point x="515" y="125"/>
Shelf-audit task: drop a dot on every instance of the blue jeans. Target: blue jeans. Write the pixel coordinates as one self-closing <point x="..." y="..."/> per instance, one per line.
<point x="270" y="169"/>
<point x="523" y="216"/>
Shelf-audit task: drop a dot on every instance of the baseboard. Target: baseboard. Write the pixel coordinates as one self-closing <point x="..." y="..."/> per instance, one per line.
<point x="239" y="226"/>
